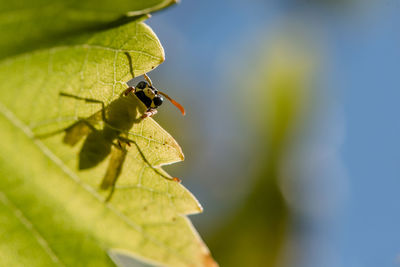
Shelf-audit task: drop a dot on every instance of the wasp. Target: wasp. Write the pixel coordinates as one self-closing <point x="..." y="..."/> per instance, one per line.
<point x="118" y="118"/>
<point x="151" y="97"/>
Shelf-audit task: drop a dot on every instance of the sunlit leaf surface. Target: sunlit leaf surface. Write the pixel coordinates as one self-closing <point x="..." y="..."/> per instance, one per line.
<point x="53" y="211"/>
<point x="27" y="25"/>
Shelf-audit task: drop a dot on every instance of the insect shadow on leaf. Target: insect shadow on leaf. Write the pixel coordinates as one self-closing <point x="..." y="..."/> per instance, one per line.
<point x="111" y="139"/>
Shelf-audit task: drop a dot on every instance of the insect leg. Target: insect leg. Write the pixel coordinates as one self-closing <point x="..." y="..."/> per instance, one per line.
<point x="128" y="141"/>
<point x="88" y="100"/>
<point x="43" y="136"/>
<point x="149" y="113"/>
<point x="128" y="90"/>
<point x="75" y="127"/>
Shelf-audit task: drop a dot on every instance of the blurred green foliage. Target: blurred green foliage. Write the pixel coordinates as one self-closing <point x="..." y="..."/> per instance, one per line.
<point x="257" y="232"/>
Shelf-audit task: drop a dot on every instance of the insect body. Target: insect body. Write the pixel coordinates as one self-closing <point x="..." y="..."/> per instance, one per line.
<point x="151" y="97"/>
<point x="107" y="131"/>
<point x="112" y="138"/>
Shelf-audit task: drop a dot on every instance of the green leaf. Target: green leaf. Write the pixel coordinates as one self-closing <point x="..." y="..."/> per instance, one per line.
<point x="52" y="209"/>
<point x="29" y="25"/>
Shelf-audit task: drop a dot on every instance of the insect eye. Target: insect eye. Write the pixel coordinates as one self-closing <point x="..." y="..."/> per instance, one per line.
<point x="141" y="85"/>
<point x="158" y="100"/>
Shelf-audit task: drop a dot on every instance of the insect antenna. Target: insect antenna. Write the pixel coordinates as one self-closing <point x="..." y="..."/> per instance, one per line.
<point x="148" y="79"/>
<point x="176" y="104"/>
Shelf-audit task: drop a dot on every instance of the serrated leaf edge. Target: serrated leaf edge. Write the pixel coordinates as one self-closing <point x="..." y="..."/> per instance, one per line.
<point x="72" y="175"/>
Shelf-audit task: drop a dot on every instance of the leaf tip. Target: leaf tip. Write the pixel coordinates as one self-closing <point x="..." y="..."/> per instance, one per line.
<point x="208" y="260"/>
<point x="199" y="207"/>
<point x="205" y="256"/>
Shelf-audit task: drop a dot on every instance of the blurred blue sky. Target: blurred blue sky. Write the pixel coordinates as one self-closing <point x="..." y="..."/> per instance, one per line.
<point x="203" y="39"/>
<point x="368" y="60"/>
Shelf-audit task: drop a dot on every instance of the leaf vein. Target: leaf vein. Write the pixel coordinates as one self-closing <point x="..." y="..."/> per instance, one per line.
<point x="29" y="226"/>
<point x="47" y="152"/>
